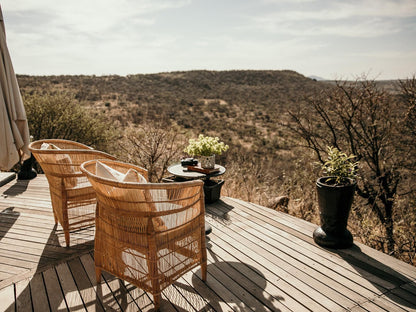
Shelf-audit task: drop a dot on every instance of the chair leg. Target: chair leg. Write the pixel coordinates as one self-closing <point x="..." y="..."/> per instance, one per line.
<point x="54" y="216"/>
<point x="67" y="238"/>
<point x="204" y="271"/>
<point x="203" y="255"/>
<point x="156" y="301"/>
<point x="98" y="275"/>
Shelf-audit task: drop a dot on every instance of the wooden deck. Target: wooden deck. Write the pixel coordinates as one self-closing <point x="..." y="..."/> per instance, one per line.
<point x="259" y="260"/>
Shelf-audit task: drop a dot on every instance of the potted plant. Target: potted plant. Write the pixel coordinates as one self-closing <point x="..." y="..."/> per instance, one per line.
<point x="205" y="148"/>
<point x="335" y="196"/>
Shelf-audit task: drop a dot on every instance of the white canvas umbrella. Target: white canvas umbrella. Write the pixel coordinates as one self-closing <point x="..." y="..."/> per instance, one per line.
<point x="14" y="136"/>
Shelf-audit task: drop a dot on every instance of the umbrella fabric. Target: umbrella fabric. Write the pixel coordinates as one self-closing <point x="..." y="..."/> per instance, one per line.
<point x="14" y="136"/>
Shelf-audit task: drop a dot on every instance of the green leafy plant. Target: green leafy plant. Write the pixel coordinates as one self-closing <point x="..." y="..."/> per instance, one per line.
<point x="205" y="146"/>
<point x="58" y="115"/>
<point x="339" y="167"/>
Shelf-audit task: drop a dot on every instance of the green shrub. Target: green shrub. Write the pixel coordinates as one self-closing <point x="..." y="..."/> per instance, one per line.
<point x="61" y="116"/>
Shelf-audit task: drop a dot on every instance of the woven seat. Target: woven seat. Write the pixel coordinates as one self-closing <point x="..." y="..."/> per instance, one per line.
<point x="148" y="234"/>
<point x="73" y="198"/>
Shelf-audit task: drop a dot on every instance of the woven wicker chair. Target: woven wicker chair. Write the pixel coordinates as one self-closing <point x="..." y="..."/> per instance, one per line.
<point x="148" y="234"/>
<point x="73" y="198"/>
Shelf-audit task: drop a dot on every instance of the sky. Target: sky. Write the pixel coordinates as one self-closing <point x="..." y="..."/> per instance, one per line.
<point x="332" y="39"/>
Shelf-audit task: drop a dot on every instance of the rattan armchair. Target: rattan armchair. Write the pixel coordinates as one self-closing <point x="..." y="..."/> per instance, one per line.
<point x="73" y="198"/>
<point x="148" y="234"/>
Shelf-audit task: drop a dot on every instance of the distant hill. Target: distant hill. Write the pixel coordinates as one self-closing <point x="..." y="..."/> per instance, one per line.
<point x="317" y="78"/>
<point x="243" y="106"/>
<point x="246" y="101"/>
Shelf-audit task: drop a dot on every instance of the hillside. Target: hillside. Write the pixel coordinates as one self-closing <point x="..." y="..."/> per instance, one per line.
<point x="239" y="106"/>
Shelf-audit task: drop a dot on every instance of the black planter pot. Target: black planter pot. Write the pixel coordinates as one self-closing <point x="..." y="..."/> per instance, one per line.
<point x="334" y="208"/>
<point x="26" y="171"/>
<point x="212" y="190"/>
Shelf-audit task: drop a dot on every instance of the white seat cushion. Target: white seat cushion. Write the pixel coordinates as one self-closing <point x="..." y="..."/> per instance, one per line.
<point x="65" y="160"/>
<point x="48" y="146"/>
<point x="106" y="172"/>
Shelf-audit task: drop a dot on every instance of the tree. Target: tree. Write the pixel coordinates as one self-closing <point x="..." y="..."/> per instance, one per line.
<point x="408" y="92"/>
<point x="153" y="147"/>
<point x="362" y="119"/>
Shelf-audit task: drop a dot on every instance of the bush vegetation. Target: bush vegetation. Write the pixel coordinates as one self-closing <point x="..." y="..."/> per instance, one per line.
<point x="60" y="116"/>
<point x="249" y="111"/>
<point x="153" y="146"/>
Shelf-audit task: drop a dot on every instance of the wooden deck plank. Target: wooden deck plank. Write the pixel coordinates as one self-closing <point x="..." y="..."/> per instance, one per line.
<point x="38" y="294"/>
<point x="381" y="306"/>
<point x="333" y="276"/>
<point x="364" y="254"/>
<point x="34" y="258"/>
<point x="104" y="294"/>
<point x="24" y="222"/>
<point x="359" y="309"/>
<point x="7" y="299"/>
<point x="131" y="292"/>
<point x="136" y="295"/>
<point x="404" y="295"/>
<point x="224" y="275"/>
<point x="174" y="300"/>
<point x="281" y="290"/>
<point x="15" y="232"/>
<point x="29" y="207"/>
<point x="87" y="263"/>
<point x="199" y="295"/>
<point x="6" y="275"/>
<point x="36" y="241"/>
<point x="11" y="215"/>
<point x="225" y="294"/>
<point x="254" y="280"/>
<point x="210" y="297"/>
<point x="393" y="278"/>
<point x="39" y="248"/>
<point x="53" y="290"/>
<point x="23" y="298"/>
<point x="6" y="177"/>
<point x="388" y="305"/>
<point x="72" y="296"/>
<point x="382" y="277"/>
<point x="410" y="287"/>
<point x="349" y="263"/>
<point x="84" y="286"/>
<point x="285" y="270"/>
<point x="54" y="232"/>
<point x="28" y="202"/>
<point x="140" y="297"/>
<point x="258" y="260"/>
<point x="408" y="305"/>
<point x="275" y="274"/>
<point x="10" y="269"/>
<point x="17" y="262"/>
<point x="191" y="296"/>
<point x="245" y="277"/>
<point x="108" y="298"/>
<point x="20" y="225"/>
<point x="26" y="247"/>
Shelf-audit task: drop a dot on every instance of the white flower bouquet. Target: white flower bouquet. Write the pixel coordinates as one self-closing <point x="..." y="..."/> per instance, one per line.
<point x="205" y="146"/>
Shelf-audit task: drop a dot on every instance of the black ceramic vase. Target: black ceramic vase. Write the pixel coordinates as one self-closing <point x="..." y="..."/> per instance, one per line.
<point x="334" y="208"/>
